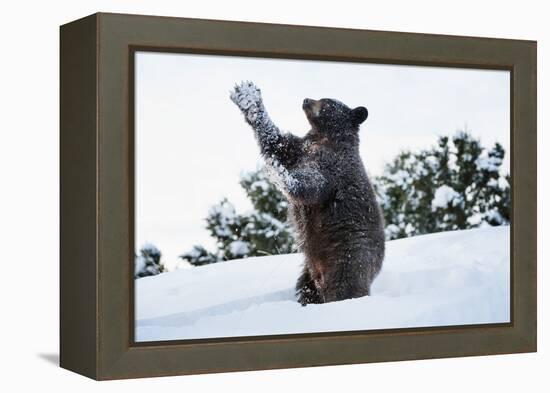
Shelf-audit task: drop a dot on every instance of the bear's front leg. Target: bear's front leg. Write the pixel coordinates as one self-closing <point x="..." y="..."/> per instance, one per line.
<point x="306" y="291"/>
<point x="247" y="96"/>
<point x="283" y="148"/>
<point x="306" y="186"/>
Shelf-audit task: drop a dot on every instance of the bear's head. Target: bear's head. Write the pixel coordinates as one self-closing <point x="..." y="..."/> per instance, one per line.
<point x="332" y="117"/>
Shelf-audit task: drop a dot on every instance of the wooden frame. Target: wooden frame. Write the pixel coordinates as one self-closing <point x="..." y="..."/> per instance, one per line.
<point x="97" y="196"/>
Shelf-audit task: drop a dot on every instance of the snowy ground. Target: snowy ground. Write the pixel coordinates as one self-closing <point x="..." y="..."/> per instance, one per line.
<point x="449" y="278"/>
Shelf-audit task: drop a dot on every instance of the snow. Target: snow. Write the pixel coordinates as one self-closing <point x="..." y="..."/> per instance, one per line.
<point x="503" y="183"/>
<point x="488" y="163"/>
<point x="226" y="212"/>
<point x="445" y="195"/>
<point x="401" y="177"/>
<point x="260" y="184"/>
<point x="147" y="262"/>
<point x="447" y="278"/>
<point x="391" y="230"/>
<point x="238" y="247"/>
<point x="195" y="252"/>
<point x="495" y="216"/>
<point x="279" y="175"/>
<point x="475" y="219"/>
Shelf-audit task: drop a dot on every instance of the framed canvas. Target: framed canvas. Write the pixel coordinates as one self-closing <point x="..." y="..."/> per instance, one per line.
<point x="244" y="196"/>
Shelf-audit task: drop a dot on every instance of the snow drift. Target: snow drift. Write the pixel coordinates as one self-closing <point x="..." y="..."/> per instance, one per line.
<point x="448" y="278"/>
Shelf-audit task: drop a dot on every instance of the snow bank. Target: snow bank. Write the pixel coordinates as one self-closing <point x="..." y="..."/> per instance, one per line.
<point x="448" y="278"/>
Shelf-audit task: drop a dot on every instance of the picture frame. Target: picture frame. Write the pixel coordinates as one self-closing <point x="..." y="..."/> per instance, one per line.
<point x="97" y="196"/>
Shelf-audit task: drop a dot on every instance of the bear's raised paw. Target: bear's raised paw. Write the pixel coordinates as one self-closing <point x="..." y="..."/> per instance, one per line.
<point x="247" y="96"/>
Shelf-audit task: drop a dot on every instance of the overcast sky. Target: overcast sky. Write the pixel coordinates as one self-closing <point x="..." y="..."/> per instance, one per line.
<point x="192" y="142"/>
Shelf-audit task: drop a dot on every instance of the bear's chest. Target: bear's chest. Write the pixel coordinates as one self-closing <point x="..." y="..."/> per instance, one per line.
<point x="316" y="150"/>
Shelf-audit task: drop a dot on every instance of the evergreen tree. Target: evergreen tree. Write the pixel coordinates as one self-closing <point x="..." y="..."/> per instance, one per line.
<point x="456" y="184"/>
<point x="263" y="231"/>
<point x="148" y="263"/>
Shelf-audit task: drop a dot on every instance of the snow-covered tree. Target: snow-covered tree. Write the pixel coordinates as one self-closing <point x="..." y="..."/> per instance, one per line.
<point x="262" y="231"/>
<point x="456" y="184"/>
<point x="148" y="263"/>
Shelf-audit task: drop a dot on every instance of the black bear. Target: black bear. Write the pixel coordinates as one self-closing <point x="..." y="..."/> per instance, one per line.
<point x="332" y="205"/>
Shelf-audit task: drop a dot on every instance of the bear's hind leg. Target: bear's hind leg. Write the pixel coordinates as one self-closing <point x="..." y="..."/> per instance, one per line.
<point x="306" y="290"/>
<point x="348" y="281"/>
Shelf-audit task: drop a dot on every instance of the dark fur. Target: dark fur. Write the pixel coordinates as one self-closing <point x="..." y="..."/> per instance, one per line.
<point x="333" y="208"/>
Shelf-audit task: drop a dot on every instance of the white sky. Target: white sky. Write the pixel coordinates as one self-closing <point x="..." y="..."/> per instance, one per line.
<point x="192" y="142"/>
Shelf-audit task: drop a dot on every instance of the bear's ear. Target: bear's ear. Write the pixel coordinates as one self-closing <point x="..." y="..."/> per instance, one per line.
<point x="359" y="115"/>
